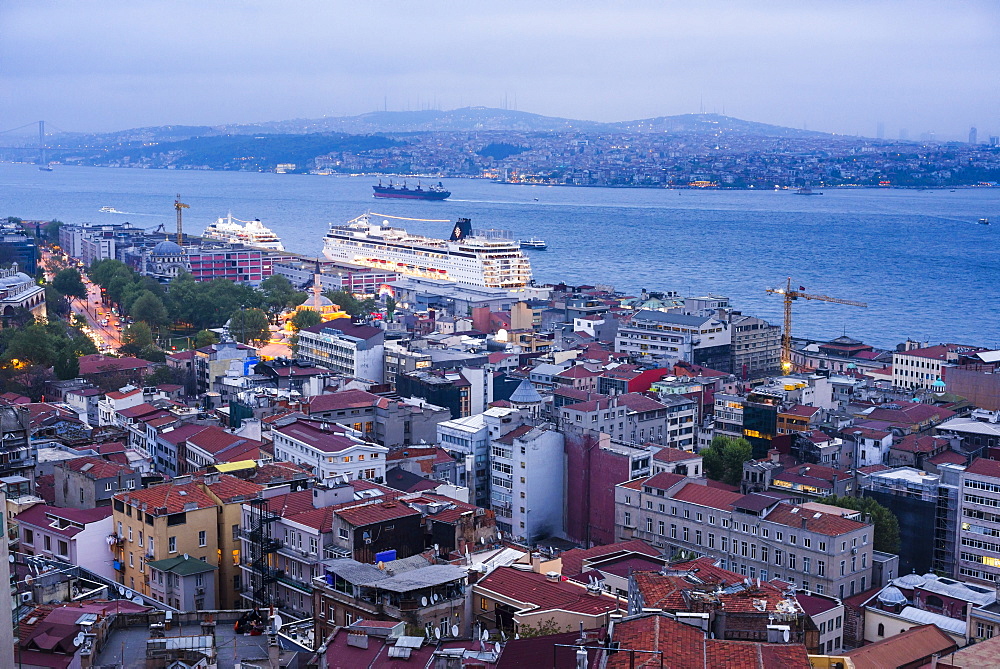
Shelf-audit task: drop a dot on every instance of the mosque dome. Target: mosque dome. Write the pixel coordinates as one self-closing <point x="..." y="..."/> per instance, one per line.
<point x="892" y="596"/>
<point x="910" y="581"/>
<point x="525" y="393"/>
<point x="167" y="248"/>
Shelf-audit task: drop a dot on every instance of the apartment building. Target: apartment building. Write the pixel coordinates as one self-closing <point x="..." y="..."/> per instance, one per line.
<point x="635" y="418"/>
<point x="87" y="482"/>
<point x="195" y="517"/>
<point x="703" y="340"/>
<point x="922" y="367"/>
<point x="756" y="345"/>
<point x="755" y="535"/>
<point x="527" y="483"/>
<point x="979" y="514"/>
<point x="341" y="345"/>
<point x="329" y="450"/>
<point x="389" y="422"/>
<point x="728" y="416"/>
<point x="77" y="536"/>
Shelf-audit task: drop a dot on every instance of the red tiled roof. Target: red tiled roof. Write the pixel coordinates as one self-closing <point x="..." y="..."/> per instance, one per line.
<point x="577" y="372"/>
<point x="706" y="496"/>
<point x="181" y="433"/>
<point x="815" y="604"/>
<point x="913" y="443"/>
<point x="345" y="399"/>
<point x="639" y="402"/>
<point x="664" y="480"/>
<point x="572" y="560"/>
<point x="538" y="593"/>
<point x="984" y="467"/>
<point x="669" y="454"/>
<point x="368" y="514"/>
<point x="96" y="363"/>
<point x="905" y="649"/>
<point x="311" y="433"/>
<point x="40" y="515"/>
<point x="800" y="410"/>
<point x="821" y="523"/>
<point x="947" y="457"/>
<point x="167" y="498"/>
<point x="347" y="326"/>
<point x="514" y="434"/>
<point x="230" y="489"/>
<point x="95" y="468"/>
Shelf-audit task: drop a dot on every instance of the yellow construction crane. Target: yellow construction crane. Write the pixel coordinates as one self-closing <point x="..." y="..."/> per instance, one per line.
<point x="791" y="296"/>
<point x="180" y="206"/>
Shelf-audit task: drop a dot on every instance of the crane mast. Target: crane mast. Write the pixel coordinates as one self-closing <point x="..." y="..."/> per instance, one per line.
<point x="789" y="297"/>
<point x="180" y="206"/>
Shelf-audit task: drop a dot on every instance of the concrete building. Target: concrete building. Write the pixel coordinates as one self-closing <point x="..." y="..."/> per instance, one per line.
<point x="827" y="614"/>
<point x="703" y="340"/>
<point x="391" y="423"/>
<point x="755" y="534"/>
<point x="183" y="582"/>
<point x="756" y="346"/>
<point x="88" y="482"/>
<point x="526" y="486"/>
<point x="329" y="450"/>
<point x="78" y="536"/>
<point x="341" y="345"/>
<point x="923" y="367"/>
<point x="17" y="458"/>
<point x="18" y="291"/>
<point x="978" y="544"/>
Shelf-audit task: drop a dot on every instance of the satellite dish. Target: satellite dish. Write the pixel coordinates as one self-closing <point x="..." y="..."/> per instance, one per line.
<point x="137" y="599"/>
<point x="482" y="540"/>
<point x="436" y="598"/>
<point x="437" y="548"/>
<point x="29" y="579"/>
<point x="437" y="632"/>
<point x="187" y="557"/>
<point x="496" y="648"/>
<point x="499" y="536"/>
<point x="276" y="622"/>
<point x="78" y="639"/>
<point x="121" y="589"/>
<point x="454" y="630"/>
<point x="485" y="636"/>
<point x="785" y="635"/>
<point x="10" y="558"/>
<point x="423" y="601"/>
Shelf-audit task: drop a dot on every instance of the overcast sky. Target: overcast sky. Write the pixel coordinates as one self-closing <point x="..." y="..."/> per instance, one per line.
<point x="832" y="66"/>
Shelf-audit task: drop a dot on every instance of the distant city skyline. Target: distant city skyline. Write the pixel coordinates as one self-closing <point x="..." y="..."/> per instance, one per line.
<point x="856" y="68"/>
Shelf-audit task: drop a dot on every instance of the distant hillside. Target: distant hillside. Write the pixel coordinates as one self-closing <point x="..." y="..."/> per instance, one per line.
<point x="467" y="119"/>
<point x="245" y="152"/>
<point x="704" y="123"/>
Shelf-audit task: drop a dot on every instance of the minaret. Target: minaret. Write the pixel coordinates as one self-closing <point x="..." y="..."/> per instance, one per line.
<point x="317" y="289"/>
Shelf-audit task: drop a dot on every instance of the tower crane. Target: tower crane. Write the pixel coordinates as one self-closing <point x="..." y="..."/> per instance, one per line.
<point x="790" y="296"/>
<point x="180" y="206"/>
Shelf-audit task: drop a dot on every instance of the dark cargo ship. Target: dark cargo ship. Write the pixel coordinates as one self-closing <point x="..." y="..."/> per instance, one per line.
<point x="403" y="192"/>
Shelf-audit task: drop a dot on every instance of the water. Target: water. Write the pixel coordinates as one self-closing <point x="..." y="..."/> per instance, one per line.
<point x="919" y="260"/>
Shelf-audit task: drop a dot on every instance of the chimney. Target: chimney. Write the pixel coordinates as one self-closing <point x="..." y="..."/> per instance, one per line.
<point x="552" y="576"/>
<point x="536" y="562"/>
<point x="803" y="523"/>
<point x="773" y="455"/>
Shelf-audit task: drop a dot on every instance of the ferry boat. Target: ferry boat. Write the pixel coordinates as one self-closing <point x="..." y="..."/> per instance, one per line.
<point x="419" y="193"/>
<point x="807" y="190"/>
<point x="984" y="221"/>
<point x="252" y="233"/>
<point x="110" y="210"/>
<point x="489" y="258"/>
<point x="533" y="244"/>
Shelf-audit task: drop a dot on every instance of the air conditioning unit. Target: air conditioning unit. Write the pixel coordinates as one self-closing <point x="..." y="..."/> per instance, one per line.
<point x="854" y="551"/>
<point x="199" y="591"/>
<point x="25" y="597"/>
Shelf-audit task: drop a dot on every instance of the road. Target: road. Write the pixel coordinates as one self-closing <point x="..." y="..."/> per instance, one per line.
<point x="107" y="338"/>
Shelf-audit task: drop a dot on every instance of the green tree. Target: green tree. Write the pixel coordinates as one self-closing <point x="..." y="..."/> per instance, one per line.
<point x="70" y="283"/>
<point x="279" y="294"/>
<point x="305" y="318"/>
<point x="205" y="338"/>
<point x="350" y="304"/>
<point x="543" y="628"/>
<point x="67" y="365"/>
<point x="723" y="459"/>
<point x="149" y="309"/>
<point x="137" y="337"/>
<point x="885" y="521"/>
<point x="102" y="272"/>
<point x="51" y="230"/>
<point x="250" y="325"/>
<point x="55" y="304"/>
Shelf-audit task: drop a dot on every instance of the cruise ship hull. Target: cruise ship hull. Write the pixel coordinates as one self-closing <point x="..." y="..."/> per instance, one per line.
<point x="410" y="193"/>
<point x="478" y="259"/>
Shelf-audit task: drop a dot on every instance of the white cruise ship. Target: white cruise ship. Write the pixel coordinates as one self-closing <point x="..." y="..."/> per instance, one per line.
<point x="251" y="233"/>
<point x="488" y="258"/>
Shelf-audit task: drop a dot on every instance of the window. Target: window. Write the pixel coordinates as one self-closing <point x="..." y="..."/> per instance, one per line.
<point x="881" y="628"/>
<point x="806" y="564"/>
<point x="48" y="542"/>
<point x="130" y="534"/>
<point x="649" y="504"/>
<point x="172" y="544"/>
<point x="711" y="540"/>
<point x="686" y="536"/>
<point x="673" y="531"/>
<point x="820" y="568"/>
<point x="63" y="549"/>
<point x="202" y="538"/>
<point x="843" y="567"/>
<point x="791" y="560"/>
<point x="628" y="520"/>
<point x="763" y="553"/>
<point x="236" y="532"/>
<point x="778" y="536"/>
<point x="343" y="533"/>
<point x="697" y="537"/>
<point x="649" y="525"/>
<point x="29" y="536"/>
<point x="822" y="546"/>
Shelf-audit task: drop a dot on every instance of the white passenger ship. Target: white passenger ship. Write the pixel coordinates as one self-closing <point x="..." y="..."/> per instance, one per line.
<point x="488" y="258"/>
<point x="252" y="233"/>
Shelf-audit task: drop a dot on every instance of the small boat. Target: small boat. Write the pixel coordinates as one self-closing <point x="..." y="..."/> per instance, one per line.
<point x="533" y="244"/>
<point x="984" y="221"/>
<point x="110" y="210"/>
<point x="45" y="168"/>
<point x="806" y="190"/>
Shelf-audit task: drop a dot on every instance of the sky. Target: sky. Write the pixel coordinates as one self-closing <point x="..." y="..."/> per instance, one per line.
<point x="842" y="67"/>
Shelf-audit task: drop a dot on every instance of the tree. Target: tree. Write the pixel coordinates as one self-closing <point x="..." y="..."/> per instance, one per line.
<point x="279" y="294"/>
<point x="149" y="309"/>
<point x="51" y="230"/>
<point x="543" y="628"/>
<point x="69" y="283"/>
<point x="55" y="304"/>
<point x="67" y="365"/>
<point x="390" y="307"/>
<point x="305" y="318"/>
<point x="137" y="337"/>
<point x="205" y="338"/>
<point x="723" y="459"/>
<point x="250" y="325"/>
<point x="350" y="304"/>
<point x="885" y="521"/>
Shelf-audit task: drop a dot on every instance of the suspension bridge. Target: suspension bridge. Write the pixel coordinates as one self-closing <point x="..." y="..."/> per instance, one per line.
<point x="42" y="148"/>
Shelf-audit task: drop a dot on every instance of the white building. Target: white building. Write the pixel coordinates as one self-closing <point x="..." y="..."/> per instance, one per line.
<point x="77" y="536"/>
<point x="528" y="470"/>
<point x="330" y="450"/>
<point x="703" y="340"/>
<point x="353" y="350"/>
